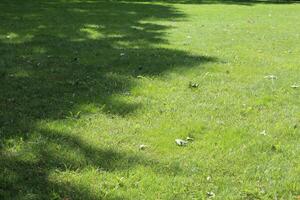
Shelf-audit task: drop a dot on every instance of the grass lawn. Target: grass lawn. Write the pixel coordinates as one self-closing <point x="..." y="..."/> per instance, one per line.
<point x="84" y="83"/>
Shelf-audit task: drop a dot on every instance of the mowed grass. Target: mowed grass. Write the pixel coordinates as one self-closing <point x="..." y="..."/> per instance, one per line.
<point x="84" y="83"/>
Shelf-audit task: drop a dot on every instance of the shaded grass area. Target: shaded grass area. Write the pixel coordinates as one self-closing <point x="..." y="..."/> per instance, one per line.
<point x="83" y="83"/>
<point x="57" y="55"/>
<point x="63" y="52"/>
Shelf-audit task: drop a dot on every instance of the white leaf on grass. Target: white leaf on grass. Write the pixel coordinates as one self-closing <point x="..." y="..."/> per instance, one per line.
<point x="189" y="138"/>
<point x="263" y="132"/>
<point x="142" y="146"/>
<point x="272" y="77"/>
<point x="210" y="194"/>
<point x="193" y="85"/>
<point x="181" y="142"/>
<point x="295" y="86"/>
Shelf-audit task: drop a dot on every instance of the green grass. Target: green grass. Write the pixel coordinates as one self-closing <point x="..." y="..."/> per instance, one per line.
<point x="84" y="83"/>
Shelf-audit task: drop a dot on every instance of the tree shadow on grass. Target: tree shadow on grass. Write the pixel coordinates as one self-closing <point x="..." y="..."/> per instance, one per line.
<point x="58" y="152"/>
<point x="58" y="55"/>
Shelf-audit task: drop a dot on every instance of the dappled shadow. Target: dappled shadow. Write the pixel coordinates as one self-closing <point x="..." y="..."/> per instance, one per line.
<point x="63" y="152"/>
<point x="65" y="64"/>
<point x="57" y="55"/>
